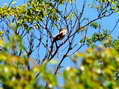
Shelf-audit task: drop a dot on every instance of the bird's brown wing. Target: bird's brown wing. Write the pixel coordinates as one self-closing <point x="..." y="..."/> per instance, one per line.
<point x="58" y="37"/>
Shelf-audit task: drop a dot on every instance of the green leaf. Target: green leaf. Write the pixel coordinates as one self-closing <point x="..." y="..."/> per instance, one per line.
<point x="95" y="25"/>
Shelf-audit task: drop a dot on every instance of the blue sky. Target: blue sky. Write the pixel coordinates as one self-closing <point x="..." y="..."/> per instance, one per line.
<point x="4" y="2"/>
<point x="107" y="23"/>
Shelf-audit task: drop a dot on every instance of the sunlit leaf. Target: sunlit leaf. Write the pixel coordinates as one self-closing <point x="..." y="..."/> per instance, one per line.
<point x="2" y="43"/>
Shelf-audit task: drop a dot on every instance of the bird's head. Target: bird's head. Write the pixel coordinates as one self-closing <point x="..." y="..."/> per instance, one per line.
<point x="63" y="31"/>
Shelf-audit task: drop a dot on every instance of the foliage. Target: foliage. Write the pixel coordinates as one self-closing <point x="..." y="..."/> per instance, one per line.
<point x="28" y="50"/>
<point x="14" y="73"/>
<point x="113" y="3"/>
<point x="99" y="68"/>
<point x="103" y="38"/>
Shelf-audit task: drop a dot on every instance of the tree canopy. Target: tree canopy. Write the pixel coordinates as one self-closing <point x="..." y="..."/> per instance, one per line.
<point x="31" y="59"/>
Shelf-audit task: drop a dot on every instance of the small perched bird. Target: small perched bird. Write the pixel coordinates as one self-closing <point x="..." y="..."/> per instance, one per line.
<point x="61" y="35"/>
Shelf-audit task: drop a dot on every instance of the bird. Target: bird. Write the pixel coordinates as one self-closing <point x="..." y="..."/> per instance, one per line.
<point x="61" y="35"/>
